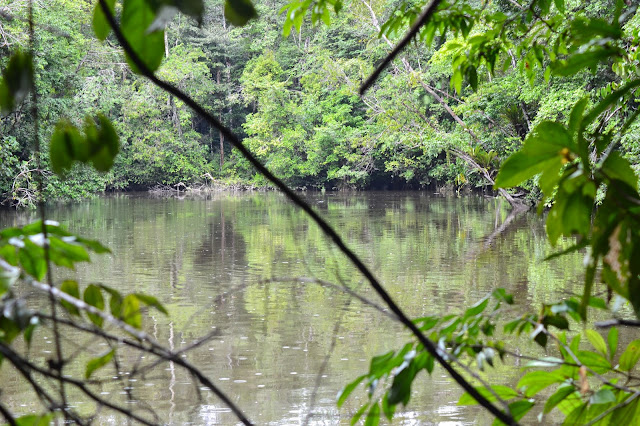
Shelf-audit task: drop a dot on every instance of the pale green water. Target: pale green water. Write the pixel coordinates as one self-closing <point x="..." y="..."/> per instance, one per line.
<point x="204" y="259"/>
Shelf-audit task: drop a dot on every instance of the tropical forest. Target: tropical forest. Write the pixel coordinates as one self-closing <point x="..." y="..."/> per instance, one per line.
<point x="318" y="212"/>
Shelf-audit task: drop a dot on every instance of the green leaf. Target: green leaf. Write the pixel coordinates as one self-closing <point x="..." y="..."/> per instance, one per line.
<point x="152" y="302"/>
<point x="347" y="390"/>
<point x="504" y="392"/>
<point x="557" y="397"/>
<point x="603" y="396"/>
<point x="104" y="146"/>
<point x="358" y="414"/>
<point x="239" y="12"/>
<point x="131" y="311"/>
<point x="535" y="381"/>
<point x="101" y="27"/>
<point x="387" y="409"/>
<point x="615" y="167"/>
<point x="595" y="361"/>
<point x="546" y="146"/>
<point x="630" y="356"/>
<point x="16" y="82"/>
<point x="373" y="416"/>
<point x="580" y="61"/>
<point x="115" y="302"/>
<point x="518" y="409"/>
<point x="98" y="362"/>
<point x="71" y="288"/>
<point x="93" y="296"/>
<point x="559" y="5"/>
<point x="137" y="17"/>
<point x="8" y="276"/>
<point x="401" y="387"/>
<point x="32" y="260"/>
<point x="476" y="309"/>
<point x="612" y="340"/>
<point x="597" y="341"/>
<point x="626" y="415"/>
<point x="35" y="420"/>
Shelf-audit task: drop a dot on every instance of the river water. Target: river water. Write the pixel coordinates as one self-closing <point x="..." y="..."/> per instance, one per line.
<point x="282" y="350"/>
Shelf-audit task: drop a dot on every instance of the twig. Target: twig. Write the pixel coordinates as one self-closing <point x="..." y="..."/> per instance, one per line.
<point x="422" y="20"/>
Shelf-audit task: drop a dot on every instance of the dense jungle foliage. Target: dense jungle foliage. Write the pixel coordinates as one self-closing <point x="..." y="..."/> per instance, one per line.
<point x="544" y="93"/>
<point x="294" y="99"/>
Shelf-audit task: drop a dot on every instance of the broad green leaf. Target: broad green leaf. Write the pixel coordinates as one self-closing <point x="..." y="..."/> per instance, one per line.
<point x="93" y="296"/>
<point x="535" y="381"/>
<point x="504" y="392"/>
<point x="476" y="309"/>
<point x="593" y="360"/>
<point x="16" y="82"/>
<point x="603" y="396"/>
<point x="626" y="415"/>
<point x="597" y="341"/>
<point x="630" y="356"/>
<point x="239" y="12"/>
<point x="356" y="417"/>
<point x="71" y="288"/>
<point x="32" y="260"/>
<point x="578" y="415"/>
<point x="152" y="302"/>
<point x="373" y="416"/>
<point x="115" y="302"/>
<point x="580" y="61"/>
<point x="131" y="311"/>
<point x="66" y="254"/>
<point x="518" y="409"/>
<point x="137" y="17"/>
<point x="387" y="409"/>
<point x="347" y="390"/>
<point x="557" y="397"/>
<point x="615" y="167"/>
<point x="546" y="146"/>
<point x="401" y="387"/>
<point x="559" y="5"/>
<point x="35" y="420"/>
<point x="65" y="146"/>
<point x="101" y="27"/>
<point x="98" y="362"/>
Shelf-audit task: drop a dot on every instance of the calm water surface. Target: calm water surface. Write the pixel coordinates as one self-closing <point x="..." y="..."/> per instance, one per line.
<point x="207" y="260"/>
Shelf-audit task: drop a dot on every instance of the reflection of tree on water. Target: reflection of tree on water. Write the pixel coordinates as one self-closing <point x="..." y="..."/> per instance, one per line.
<point x="222" y="250"/>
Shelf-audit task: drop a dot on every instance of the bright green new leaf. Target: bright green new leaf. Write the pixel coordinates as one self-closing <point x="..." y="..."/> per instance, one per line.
<point x="373" y="416"/>
<point x="71" y="288"/>
<point x="535" y="381"/>
<point x="630" y="356"/>
<point x="137" y="17"/>
<point x="557" y="397"/>
<point x="131" y="311"/>
<point x="597" y="341"/>
<point x="100" y="24"/>
<point x="93" y="296"/>
<point x="98" y="362"/>
<point x="35" y="420"/>
<point x="239" y="12"/>
<point x="347" y="390"/>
